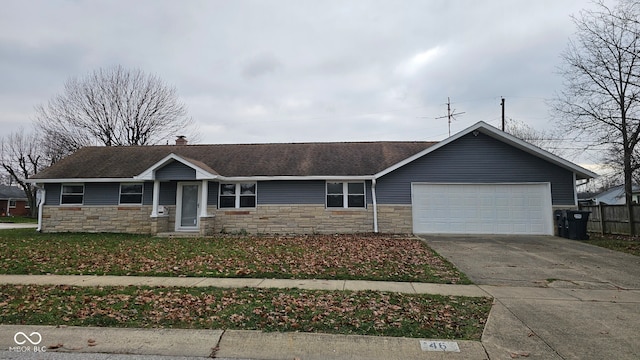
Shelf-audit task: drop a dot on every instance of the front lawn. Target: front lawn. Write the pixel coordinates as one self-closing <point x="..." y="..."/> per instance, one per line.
<point x="337" y="312"/>
<point x="364" y="257"/>
<point x="18" y="220"/>
<point x="624" y="243"/>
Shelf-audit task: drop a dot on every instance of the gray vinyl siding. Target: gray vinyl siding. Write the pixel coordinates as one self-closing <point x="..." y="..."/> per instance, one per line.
<point x="212" y="195"/>
<point x="97" y="193"/>
<point x="476" y="159"/>
<point x="101" y="193"/>
<point x="298" y="192"/>
<point x="52" y="194"/>
<point x="147" y="194"/>
<point x="175" y="171"/>
<point x="168" y="191"/>
<point x="290" y="192"/>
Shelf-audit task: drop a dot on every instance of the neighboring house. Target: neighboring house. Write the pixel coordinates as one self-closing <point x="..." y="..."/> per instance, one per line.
<point x="13" y="201"/>
<point x="612" y="196"/>
<point x="481" y="180"/>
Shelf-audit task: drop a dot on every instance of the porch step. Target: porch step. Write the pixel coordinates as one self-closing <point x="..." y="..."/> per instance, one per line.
<point x="181" y="234"/>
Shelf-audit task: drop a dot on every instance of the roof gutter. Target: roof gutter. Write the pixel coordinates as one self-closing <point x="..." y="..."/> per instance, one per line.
<point x="216" y="177"/>
<point x="80" y="180"/>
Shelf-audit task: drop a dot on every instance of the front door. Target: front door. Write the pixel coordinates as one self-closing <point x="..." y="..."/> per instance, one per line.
<point x="187" y="206"/>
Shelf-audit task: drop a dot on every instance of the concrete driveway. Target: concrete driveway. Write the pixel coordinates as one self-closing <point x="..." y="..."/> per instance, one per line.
<point x="554" y="298"/>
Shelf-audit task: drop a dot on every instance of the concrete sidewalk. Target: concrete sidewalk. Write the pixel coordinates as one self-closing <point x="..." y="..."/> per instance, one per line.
<point x="6" y="226"/>
<point x="309" y="284"/>
<point x="234" y="344"/>
<point x="523" y="323"/>
<point x="229" y="344"/>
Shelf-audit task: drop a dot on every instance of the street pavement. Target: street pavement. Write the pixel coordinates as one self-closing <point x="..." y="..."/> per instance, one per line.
<point x="553" y="299"/>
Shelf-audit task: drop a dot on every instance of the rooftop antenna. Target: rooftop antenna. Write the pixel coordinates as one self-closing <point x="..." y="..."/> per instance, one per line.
<point x="450" y="114"/>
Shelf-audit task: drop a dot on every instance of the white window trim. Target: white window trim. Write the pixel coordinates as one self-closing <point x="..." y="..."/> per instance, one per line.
<point x="120" y="194"/>
<point x="237" y="194"/>
<point x="62" y="194"/>
<point x="345" y="194"/>
<point x="15" y="203"/>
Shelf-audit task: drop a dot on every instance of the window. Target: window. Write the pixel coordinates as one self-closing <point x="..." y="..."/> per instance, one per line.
<point x="130" y="193"/>
<point x="12" y="204"/>
<point x="241" y="195"/>
<point x="72" y="194"/>
<point x="345" y="195"/>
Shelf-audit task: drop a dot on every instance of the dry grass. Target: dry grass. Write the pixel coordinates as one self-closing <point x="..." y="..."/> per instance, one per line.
<point x="363" y="257"/>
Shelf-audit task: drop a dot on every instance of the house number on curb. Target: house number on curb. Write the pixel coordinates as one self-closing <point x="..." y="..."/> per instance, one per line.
<point x="439" y="346"/>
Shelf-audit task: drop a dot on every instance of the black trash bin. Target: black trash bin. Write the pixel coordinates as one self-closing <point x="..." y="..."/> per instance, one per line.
<point x="560" y="217"/>
<point x="576" y="224"/>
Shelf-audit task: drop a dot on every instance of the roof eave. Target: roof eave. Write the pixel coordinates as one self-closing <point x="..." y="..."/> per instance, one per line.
<point x="216" y="177"/>
<point x="80" y="180"/>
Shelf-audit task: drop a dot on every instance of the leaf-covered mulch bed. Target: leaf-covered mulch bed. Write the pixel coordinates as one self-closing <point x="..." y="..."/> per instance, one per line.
<point x="366" y="257"/>
<point x="624" y="243"/>
<point x="338" y="312"/>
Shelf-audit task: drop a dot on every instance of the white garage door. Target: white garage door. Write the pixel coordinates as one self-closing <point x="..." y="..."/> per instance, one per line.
<point x="482" y="208"/>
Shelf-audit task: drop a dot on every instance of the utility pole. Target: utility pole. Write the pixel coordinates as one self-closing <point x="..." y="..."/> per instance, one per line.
<point x="502" y="104"/>
<point x="450" y="114"/>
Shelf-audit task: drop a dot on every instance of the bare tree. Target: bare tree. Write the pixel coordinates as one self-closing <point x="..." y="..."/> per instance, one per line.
<point x="112" y="107"/>
<point x="543" y="139"/>
<point x="21" y="156"/>
<point x="601" y="96"/>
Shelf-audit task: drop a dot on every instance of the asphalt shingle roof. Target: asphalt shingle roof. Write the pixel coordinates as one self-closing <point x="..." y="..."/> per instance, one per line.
<point x="293" y="159"/>
<point x="11" y="192"/>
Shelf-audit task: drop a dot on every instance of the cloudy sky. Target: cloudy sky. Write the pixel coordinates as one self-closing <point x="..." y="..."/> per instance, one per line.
<point x="292" y="71"/>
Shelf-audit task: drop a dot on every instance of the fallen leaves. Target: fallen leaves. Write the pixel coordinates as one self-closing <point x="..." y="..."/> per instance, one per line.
<point x="344" y="312"/>
<point x="370" y="257"/>
<point x="624" y="243"/>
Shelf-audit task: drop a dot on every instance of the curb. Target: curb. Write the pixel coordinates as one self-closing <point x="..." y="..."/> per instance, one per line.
<point x="231" y="344"/>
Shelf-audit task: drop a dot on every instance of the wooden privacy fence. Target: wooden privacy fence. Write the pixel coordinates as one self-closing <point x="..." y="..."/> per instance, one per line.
<point x="611" y="219"/>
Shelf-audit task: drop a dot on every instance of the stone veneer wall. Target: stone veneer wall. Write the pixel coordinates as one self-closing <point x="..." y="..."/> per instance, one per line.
<point x="395" y="219"/>
<point x="123" y="219"/>
<point x="308" y="219"/>
<point x="294" y="219"/>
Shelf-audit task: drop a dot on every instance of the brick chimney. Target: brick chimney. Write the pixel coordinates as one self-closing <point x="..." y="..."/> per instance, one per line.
<point x="181" y="140"/>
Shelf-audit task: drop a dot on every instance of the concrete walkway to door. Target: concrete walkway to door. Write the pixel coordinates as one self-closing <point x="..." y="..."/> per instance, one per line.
<point x="554" y="298"/>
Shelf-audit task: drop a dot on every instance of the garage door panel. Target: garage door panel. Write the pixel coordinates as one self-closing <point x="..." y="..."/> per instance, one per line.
<point x="482" y="208"/>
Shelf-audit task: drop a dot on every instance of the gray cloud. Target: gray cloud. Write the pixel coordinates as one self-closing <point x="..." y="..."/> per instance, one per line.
<point x="291" y="70"/>
<point x="260" y="65"/>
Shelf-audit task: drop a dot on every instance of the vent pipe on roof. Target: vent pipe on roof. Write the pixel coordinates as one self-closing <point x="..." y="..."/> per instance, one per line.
<point x="181" y="140"/>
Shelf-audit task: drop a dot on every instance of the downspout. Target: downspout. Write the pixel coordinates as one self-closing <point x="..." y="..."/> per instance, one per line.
<point x="42" y="193"/>
<point x="9" y="207"/>
<point x="575" y="190"/>
<point x="375" y="205"/>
